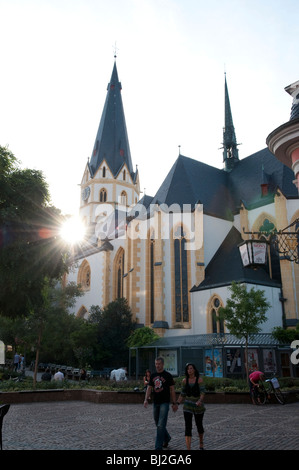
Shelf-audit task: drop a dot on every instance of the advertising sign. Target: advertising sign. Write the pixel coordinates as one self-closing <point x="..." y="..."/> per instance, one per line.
<point x="170" y="360"/>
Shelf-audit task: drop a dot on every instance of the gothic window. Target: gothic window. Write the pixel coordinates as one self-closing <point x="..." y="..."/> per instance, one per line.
<point x="181" y="277"/>
<point x="84" y="276"/>
<point x="119" y="274"/>
<point x="152" y="281"/>
<point x="104" y="172"/>
<point x="217" y="324"/>
<point x="123" y="198"/>
<point x="103" y="195"/>
<point x="82" y="312"/>
<point x="124" y="175"/>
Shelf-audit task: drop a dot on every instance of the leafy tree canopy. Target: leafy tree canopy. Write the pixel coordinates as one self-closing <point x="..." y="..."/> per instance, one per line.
<point x="142" y="336"/>
<point x="115" y="324"/>
<point x="245" y="310"/>
<point x="286" y="336"/>
<point x="30" y="249"/>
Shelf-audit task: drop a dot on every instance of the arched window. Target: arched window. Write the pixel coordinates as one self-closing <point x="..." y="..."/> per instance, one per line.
<point x="181" y="277"/>
<point x="119" y="274"/>
<point x="217" y="324"/>
<point x="83" y="313"/>
<point x="123" y="198"/>
<point x="84" y="276"/>
<point x="152" y="280"/>
<point x="103" y="195"/>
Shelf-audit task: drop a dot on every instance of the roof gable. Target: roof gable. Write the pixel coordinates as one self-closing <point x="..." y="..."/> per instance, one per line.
<point x="226" y="266"/>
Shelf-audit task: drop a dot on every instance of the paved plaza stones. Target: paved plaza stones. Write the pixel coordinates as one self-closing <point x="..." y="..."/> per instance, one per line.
<point x="78" y="425"/>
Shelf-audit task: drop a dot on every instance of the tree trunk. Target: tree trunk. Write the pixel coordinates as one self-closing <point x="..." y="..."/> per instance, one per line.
<point x="246" y="358"/>
<point x="37" y="355"/>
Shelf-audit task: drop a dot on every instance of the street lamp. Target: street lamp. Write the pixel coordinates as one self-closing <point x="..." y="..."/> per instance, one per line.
<point x="254" y="252"/>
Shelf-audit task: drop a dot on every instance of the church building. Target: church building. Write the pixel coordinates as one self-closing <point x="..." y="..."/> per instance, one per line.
<point x="174" y="255"/>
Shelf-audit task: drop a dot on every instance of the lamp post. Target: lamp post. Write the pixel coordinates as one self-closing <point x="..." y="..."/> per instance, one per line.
<point x="254" y="251"/>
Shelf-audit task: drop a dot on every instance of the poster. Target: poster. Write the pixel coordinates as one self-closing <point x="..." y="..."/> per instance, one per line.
<point x="253" y="361"/>
<point x="213" y="363"/>
<point x="269" y="361"/>
<point x="233" y="361"/>
<point x="170" y="360"/>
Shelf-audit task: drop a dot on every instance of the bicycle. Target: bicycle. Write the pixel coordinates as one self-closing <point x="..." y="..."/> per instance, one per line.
<point x="274" y="388"/>
<point x="262" y="394"/>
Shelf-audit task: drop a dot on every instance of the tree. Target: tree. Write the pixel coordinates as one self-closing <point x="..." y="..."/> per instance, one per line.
<point x="244" y="312"/>
<point x="286" y="336"/>
<point x="31" y="250"/>
<point x="115" y="324"/>
<point x="141" y="337"/>
<point x="32" y="255"/>
<point x="48" y="320"/>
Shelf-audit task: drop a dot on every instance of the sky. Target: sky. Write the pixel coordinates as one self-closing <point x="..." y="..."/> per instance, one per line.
<point x="172" y="55"/>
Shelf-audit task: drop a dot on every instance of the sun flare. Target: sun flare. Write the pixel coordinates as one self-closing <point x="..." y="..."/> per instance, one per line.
<point x="73" y="230"/>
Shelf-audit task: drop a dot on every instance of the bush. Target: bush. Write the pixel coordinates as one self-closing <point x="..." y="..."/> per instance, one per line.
<point x="211" y="384"/>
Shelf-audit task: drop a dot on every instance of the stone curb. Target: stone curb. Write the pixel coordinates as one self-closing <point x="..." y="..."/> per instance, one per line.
<point x="98" y="396"/>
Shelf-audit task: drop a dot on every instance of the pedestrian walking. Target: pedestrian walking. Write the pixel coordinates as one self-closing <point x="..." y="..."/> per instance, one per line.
<point x="16" y="361"/>
<point x="192" y="395"/>
<point x="161" y="384"/>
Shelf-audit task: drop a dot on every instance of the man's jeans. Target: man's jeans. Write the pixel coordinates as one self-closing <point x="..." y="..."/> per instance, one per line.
<point x="160" y="417"/>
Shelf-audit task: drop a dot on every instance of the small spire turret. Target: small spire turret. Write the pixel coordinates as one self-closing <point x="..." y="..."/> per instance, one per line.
<point x="230" y="146"/>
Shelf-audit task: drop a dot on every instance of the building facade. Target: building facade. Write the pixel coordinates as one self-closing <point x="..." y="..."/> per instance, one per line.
<point x="175" y="254"/>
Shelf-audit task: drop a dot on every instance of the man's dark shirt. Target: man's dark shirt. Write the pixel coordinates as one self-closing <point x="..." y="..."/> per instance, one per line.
<point x="161" y="383"/>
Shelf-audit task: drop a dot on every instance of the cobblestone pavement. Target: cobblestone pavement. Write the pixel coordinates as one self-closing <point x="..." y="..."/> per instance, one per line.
<point x="78" y="425"/>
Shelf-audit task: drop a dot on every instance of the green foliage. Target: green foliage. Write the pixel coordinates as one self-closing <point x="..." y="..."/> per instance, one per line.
<point x="141" y="337"/>
<point x="244" y="311"/>
<point x="114" y="326"/>
<point x="212" y="384"/>
<point x="286" y="336"/>
<point x="30" y="249"/>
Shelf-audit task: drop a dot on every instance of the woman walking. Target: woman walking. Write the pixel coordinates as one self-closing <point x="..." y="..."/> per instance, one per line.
<point x="192" y="395"/>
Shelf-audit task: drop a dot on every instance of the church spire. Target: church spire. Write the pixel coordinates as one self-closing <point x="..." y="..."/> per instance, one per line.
<point x="112" y="143"/>
<point x="230" y="150"/>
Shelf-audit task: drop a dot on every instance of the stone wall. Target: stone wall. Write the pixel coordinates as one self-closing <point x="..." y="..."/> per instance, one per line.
<point x="98" y="396"/>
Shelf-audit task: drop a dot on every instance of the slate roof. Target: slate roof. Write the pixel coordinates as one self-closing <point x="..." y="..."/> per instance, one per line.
<point x="226" y="266"/>
<point x="191" y="182"/>
<point x="221" y="193"/>
<point x="245" y="180"/>
<point x="112" y="143"/>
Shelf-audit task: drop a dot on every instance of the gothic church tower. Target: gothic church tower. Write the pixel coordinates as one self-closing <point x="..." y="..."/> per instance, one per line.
<point x="109" y="176"/>
<point x="109" y="187"/>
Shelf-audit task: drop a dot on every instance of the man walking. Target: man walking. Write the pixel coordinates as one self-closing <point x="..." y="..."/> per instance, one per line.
<point x="162" y="385"/>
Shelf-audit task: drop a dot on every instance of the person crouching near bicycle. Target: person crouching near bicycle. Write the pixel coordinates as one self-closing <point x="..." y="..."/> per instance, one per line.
<point x="254" y="379"/>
